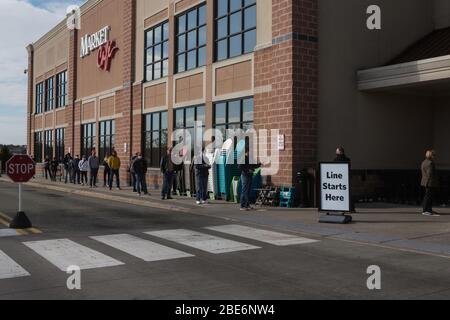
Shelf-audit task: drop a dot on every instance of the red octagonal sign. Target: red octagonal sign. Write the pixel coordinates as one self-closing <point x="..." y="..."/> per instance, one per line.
<point x="20" y="168"/>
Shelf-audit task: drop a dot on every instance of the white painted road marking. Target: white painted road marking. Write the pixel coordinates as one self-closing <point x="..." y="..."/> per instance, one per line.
<point x="143" y="249"/>
<point x="202" y="241"/>
<point x="8" y="233"/>
<point x="9" y="268"/>
<point x="64" y="253"/>
<point x="271" y="237"/>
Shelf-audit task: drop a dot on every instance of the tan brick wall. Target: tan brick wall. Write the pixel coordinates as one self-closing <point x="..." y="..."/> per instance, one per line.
<point x="189" y="88"/>
<point x="234" y="78"/>
<point x="155" y="96"/>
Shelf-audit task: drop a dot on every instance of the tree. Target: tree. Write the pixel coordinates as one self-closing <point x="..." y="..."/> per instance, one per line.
<point x="5" y="155"/>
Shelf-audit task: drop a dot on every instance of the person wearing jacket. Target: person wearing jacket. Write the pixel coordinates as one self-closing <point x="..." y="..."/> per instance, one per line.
<point x="76" y="169"/>
<point x="54" y="168"/>
<point x="47" y="171"/>
<point x="67" y="168"/>
<point x="106" y="171"/>
<point x="132" y="173"/>
<point x="201" y="177"/>
<point x="114" y="165"/>
<point x="247" y="171"/>
<point x="140" y="171"/>
<point x="83" y="165"/>
<point x="167" y="169"/>
<point x="429" y="183"/>
<point x="94" y="165"/>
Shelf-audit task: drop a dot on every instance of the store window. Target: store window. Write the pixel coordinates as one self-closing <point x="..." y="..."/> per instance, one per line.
<point x="48" y="144"/>
<point x="59" y="144"/>
<point x="107" y="138"/>
<point x="39" y="98"/>
<point x="235" y="28"/>
<point x="234" y="114"/>
<point x="61" y="89"/>
<point x="38" y="137"/>
<point x="88" y="138"/>
<point x="191" y="39"/>
<point x="157" y="52"/>
<point x="49" y="94"/>
<point x="185" y="118"/>
<point x="155" y="137"/>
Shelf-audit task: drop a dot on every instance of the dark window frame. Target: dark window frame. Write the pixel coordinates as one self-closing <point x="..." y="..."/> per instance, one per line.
<point x="61" y="89"/>
<point x="88" y="142"/>
<point x="59" y="144"/>
<point x="152" y="47"/>
<point x="185" y="33"/>
<point x="184" y="126"/>
<point x="38" y="146"/>
<point x="230" y="35"/>
<point x="106" y="137"/>
<point x="39" y="103"/>
<point x="49" y="141"/>
<point x="49" y="94"/>
<point x="228" y="124"/>
<point x="149" y="134"/>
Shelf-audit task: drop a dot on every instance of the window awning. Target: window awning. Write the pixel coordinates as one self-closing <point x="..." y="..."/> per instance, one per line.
<point x="425" y="66"/>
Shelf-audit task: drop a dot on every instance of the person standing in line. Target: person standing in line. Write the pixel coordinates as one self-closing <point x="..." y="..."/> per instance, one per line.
<point x="341" y="157"/>
<point x="84" y="168"/>
<point x="429" y="183"/>
<point x="106" y="171"/>
<point x="140" y="170"/>
<point x="54" y="168"/>
<point x="114" y="165"/>
<point x="167" y="169"/>
<point x="94" y="165"/>
<point x="76" y="169"/>
<point x="247" y="171"/>
<point x="47" y="171"/>
<point x="132" y="173"/>
<point x="67" y="168"/>
<point x="201" y="177"/>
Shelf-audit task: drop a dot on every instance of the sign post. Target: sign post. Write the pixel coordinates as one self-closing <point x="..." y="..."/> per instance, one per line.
<point x="20" y="169"/>
<point x="335" y="195"/>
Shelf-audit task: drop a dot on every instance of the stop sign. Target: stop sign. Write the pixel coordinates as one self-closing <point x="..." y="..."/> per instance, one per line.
<point x="20" y="168"/>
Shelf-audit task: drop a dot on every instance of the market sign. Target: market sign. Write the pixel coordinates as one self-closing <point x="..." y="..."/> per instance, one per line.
<point x="106" y="48"/>
<point x="335" y="187"/>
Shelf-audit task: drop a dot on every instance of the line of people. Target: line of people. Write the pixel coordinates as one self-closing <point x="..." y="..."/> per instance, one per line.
<point x="77" y="170"/>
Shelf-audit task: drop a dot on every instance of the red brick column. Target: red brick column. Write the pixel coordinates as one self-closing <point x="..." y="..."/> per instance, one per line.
<point x="30" y="100"/>
<point x="124" y="97"/>
<point x="70" y="133"/>
<point x="286" y="85"/>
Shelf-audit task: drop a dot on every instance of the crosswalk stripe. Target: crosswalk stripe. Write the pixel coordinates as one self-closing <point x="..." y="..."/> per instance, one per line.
<point x="140" y="248"/>
<point x="8" y="233"/>
<point x="201" y="241"/>
<point x="9" y="268"/>
<point x="64" y="253"/>
<point x="271" y="237"/>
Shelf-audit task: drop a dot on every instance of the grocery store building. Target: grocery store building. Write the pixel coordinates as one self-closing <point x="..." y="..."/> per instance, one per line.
<point x="136" y="70"/>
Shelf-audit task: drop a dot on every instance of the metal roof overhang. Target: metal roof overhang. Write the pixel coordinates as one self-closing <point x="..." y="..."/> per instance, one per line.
<point x="430" y="76"/>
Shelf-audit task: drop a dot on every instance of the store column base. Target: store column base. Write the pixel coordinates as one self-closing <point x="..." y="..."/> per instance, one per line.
<point x="336" y="219"/>
<point x="20" y="221"/>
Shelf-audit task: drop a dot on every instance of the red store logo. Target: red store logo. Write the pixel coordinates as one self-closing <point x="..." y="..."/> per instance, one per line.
<point x="106" y="54"/>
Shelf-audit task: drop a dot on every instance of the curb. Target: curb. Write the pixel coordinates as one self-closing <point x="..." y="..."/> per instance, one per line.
<point x="97" y="195"/>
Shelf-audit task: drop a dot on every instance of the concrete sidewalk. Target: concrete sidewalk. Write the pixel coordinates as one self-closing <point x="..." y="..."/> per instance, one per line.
<point x="394" y="226"/>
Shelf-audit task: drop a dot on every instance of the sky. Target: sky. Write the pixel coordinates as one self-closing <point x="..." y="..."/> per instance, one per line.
<point x="21" y="22"/>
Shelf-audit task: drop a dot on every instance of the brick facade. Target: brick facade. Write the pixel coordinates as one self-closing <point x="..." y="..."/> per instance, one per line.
<point x="285" y="82"/>
<point x="286" y="78"/>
